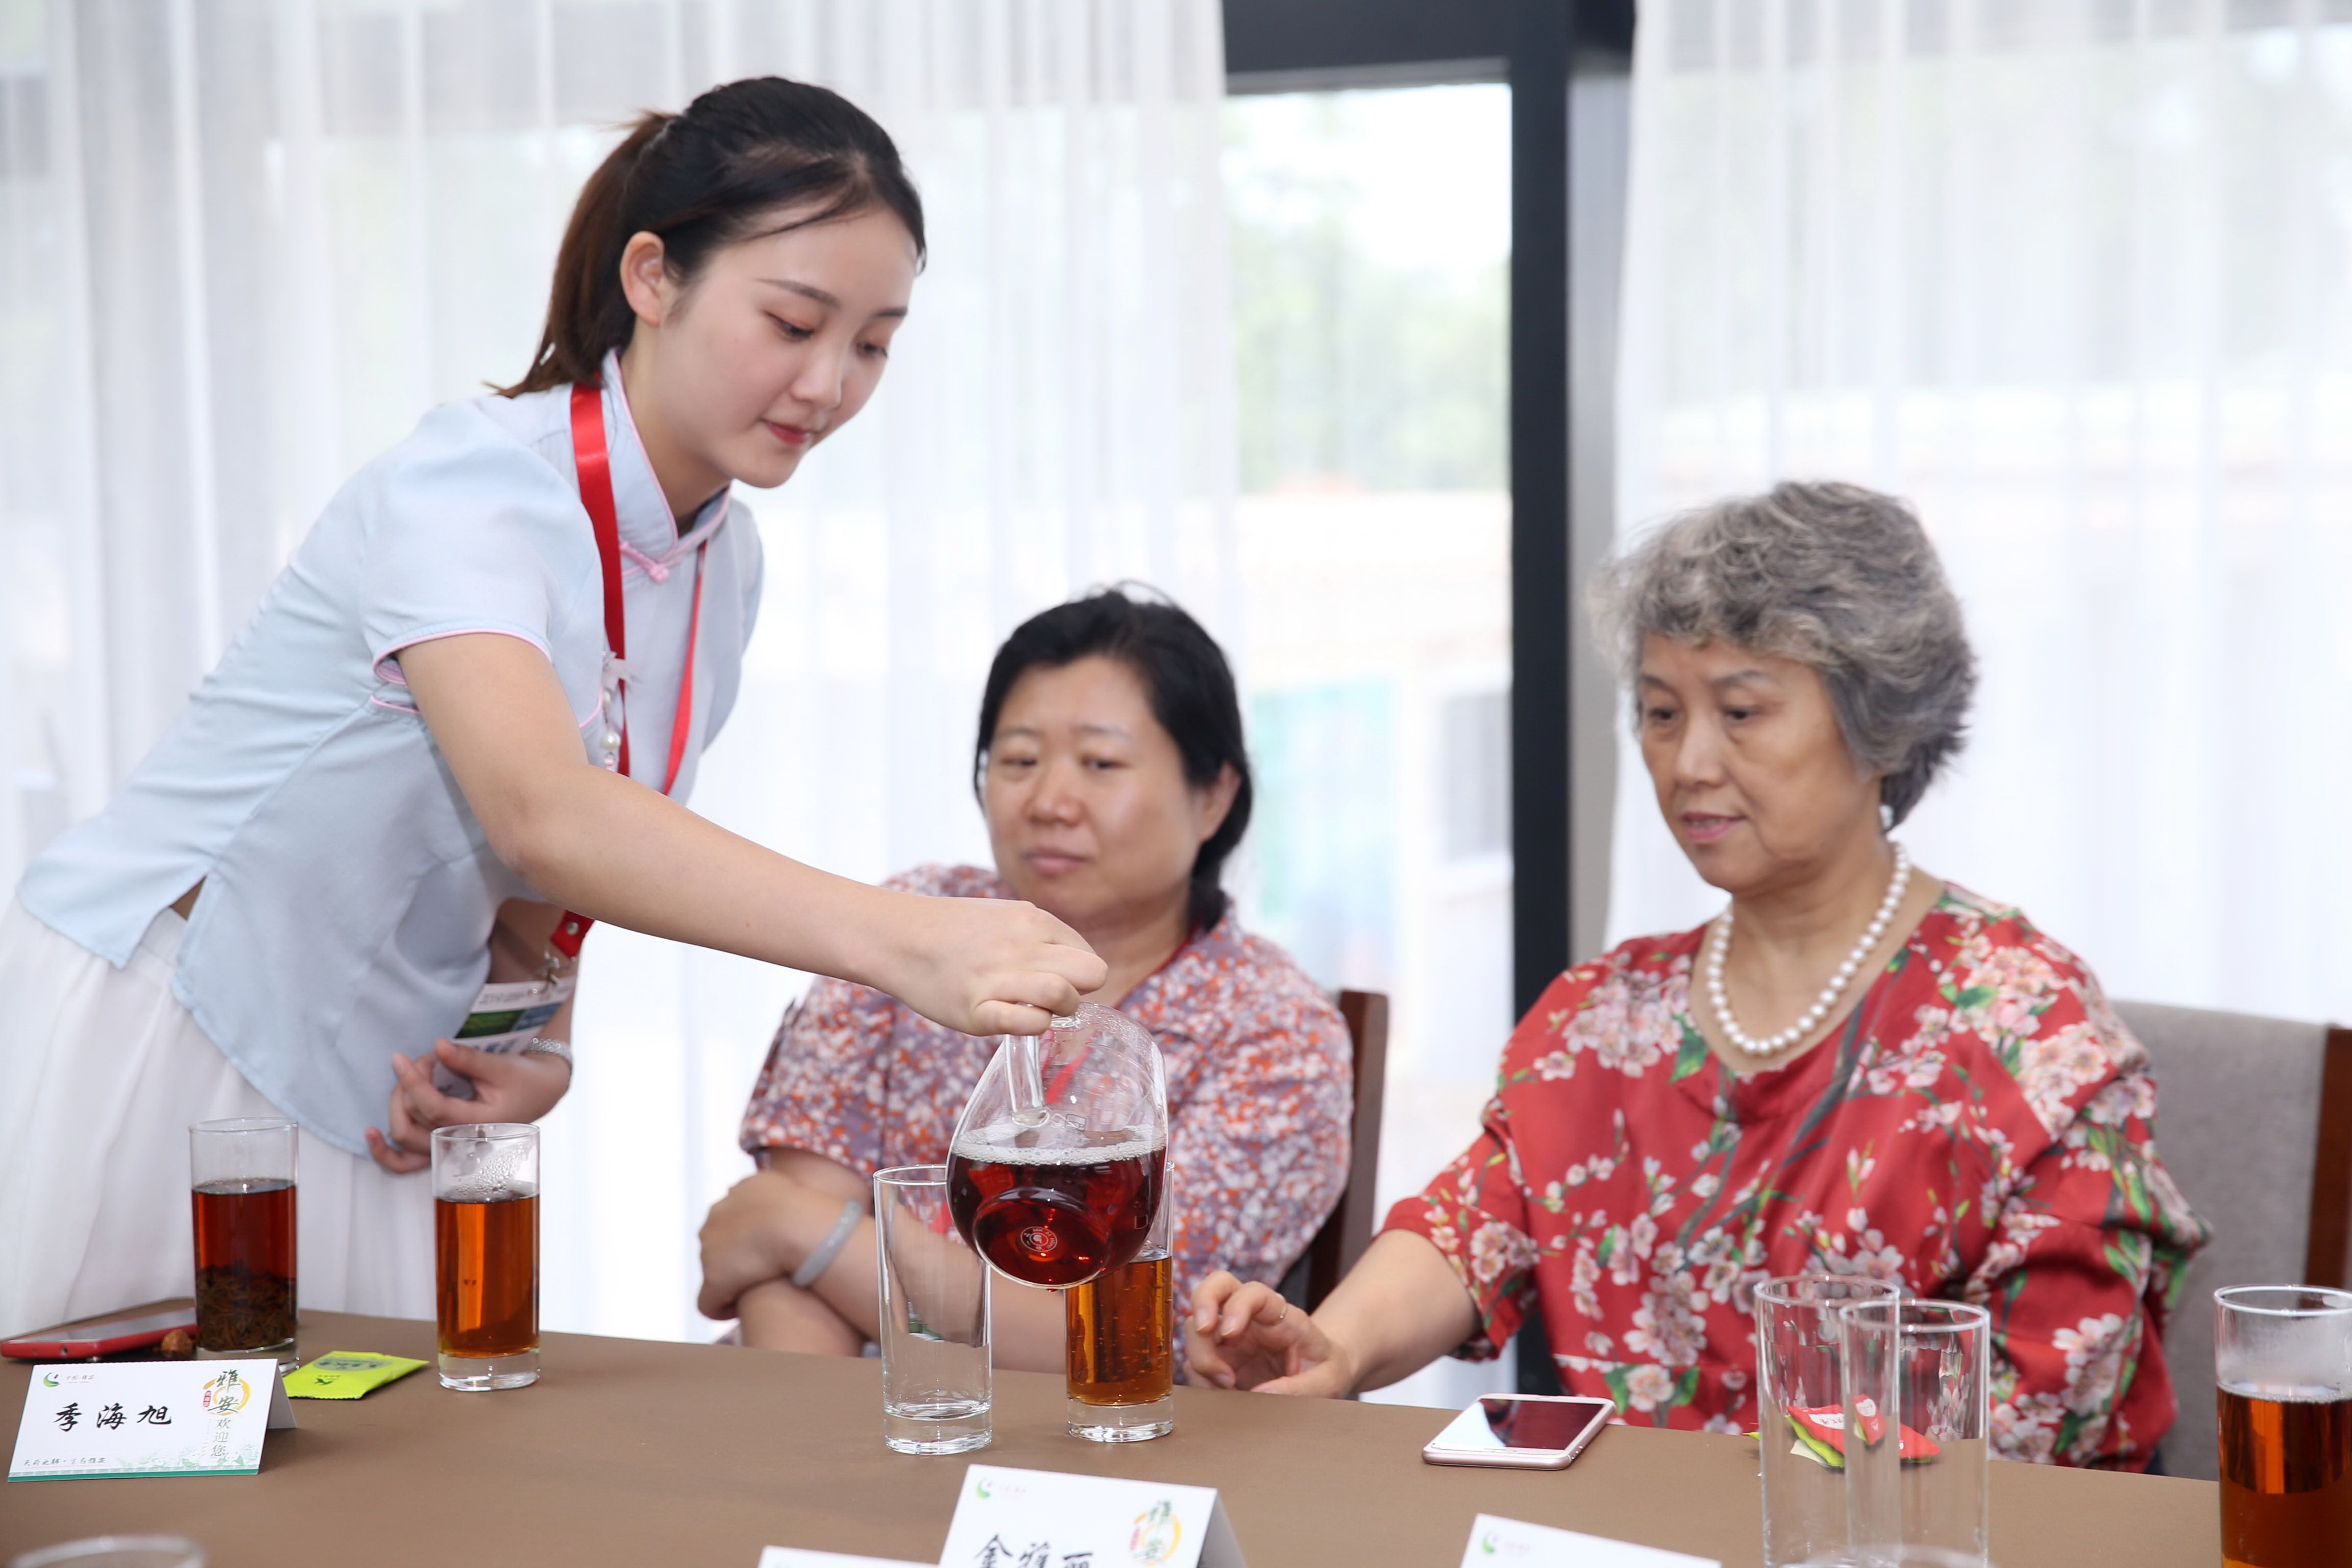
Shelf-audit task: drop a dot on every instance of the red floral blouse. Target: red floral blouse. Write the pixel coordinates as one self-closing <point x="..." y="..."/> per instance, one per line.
<point x="1981" y="1128"/>
<point x="1260" y="1084"/>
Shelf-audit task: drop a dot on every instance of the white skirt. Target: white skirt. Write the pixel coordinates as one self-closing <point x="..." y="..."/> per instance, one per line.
<point x="101" y="1073"/>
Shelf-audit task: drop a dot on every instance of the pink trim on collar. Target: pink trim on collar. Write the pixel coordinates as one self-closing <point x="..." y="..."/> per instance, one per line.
<point x="659" y="567"/>
<point x="656" y="570"/>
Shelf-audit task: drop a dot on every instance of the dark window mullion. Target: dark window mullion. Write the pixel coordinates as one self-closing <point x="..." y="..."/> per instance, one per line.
<point x="1542" y="618"/>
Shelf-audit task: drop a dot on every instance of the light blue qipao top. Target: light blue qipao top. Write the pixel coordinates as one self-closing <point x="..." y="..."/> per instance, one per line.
<point x="349" y="891"/>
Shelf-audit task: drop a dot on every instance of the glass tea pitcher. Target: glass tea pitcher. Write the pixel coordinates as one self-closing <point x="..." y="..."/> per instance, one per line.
<point x="1060" y="1160"/>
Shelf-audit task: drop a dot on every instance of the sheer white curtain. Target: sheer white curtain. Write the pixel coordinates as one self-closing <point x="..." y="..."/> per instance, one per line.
<point x="243" y="246"/>
<point x="2073" y="276"/>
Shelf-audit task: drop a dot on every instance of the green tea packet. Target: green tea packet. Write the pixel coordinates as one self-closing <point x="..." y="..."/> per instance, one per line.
<point x="347" y="1374"/>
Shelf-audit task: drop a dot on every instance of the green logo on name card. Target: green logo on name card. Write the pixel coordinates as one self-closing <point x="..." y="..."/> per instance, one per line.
<point x="1157" y="1532"/>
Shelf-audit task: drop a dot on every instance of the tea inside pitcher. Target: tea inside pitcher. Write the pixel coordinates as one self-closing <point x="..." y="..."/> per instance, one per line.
<point x="1059" y="1161"/>
<point x="1054" y="1213"/>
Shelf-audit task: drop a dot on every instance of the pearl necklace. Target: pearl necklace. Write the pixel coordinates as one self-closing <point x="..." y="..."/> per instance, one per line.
<point x="1820" y="1010"/>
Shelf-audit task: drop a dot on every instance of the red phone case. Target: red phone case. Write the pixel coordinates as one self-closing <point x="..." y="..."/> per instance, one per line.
<point x="98" y="1337"/>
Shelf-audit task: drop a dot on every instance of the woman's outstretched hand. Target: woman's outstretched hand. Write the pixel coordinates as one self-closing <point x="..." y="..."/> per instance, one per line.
<point x="986" y="966"/>
<point x="1247" y="1336"/>
<point x="513" y="1087"/>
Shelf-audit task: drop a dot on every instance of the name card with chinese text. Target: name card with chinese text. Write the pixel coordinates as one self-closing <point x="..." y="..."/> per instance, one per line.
<point x="1043" y="1519"/>
<point x="1513" y="1544"/>
<point x="94" y="1420"/>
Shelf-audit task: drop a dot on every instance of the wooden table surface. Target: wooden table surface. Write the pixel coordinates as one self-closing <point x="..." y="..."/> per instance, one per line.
<point x="633" y="1451"/>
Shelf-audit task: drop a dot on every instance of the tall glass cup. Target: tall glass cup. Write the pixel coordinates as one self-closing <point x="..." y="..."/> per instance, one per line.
<point x="1121" y="1346"/>
<point x="241" y="1176"/>
<point x="486" y="1254"/>
<point x="1942" y="1400"/>
<point x="2283" y="1357"/>
<point x="936" y="1388"/>
<point x="1814" y="1385"/>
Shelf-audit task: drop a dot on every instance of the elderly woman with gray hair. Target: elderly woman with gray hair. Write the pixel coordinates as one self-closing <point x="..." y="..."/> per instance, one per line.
<point x="1856" y="1067"/>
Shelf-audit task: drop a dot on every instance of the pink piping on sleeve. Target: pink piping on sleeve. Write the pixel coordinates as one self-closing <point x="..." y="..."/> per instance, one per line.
<point x="388" y="669"/>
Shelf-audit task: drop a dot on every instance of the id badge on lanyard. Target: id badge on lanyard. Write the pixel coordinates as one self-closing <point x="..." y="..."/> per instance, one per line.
<point x="506" y="1015"/>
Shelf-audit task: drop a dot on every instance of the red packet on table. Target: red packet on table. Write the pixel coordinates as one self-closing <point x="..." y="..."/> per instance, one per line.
<point x="1823" y="1430"/>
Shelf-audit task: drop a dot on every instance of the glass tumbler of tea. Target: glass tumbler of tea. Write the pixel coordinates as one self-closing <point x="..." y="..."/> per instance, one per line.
<point x="486" y="1254"/>
<point x="1122" y="1342"/>
<point x="2283" y="1359"/>
<point x="937" y="1391"/>
<point x="241" y="1175"/>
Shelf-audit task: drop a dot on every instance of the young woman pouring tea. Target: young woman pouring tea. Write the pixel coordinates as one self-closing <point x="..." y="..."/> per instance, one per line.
<point x="461" y="728"/>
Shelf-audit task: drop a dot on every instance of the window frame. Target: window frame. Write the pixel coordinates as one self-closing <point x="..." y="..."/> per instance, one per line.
<point x="1569" y="64"/>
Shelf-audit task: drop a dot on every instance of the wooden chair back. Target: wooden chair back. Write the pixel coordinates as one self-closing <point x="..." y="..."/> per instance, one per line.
<point x="1348" y="1230"/>
<point x="2255" y="1122"/>
<point x="2327" y="1255"/>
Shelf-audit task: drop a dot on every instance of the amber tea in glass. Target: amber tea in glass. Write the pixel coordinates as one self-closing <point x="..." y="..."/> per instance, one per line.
<point x="486" y="1246"/>
<point x="242" y="1200"/>
<point x="1121" y="1344"/>
<point x="2283" y="1359"/>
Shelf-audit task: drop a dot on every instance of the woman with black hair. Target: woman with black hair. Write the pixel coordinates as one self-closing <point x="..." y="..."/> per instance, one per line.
<point x="1110" y="767"/>
<point x="460" y="728"/>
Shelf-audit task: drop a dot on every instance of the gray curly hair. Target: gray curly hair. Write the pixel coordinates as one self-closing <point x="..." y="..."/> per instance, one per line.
<point x="1833" y="575"/>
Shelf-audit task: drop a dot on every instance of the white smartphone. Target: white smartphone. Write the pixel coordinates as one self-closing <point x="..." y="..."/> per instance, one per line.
<point x="1524" y="1431"/>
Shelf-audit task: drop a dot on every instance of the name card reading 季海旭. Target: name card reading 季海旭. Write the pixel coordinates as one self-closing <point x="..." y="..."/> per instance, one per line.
<point x="1497" y="1541"/>
<point x="1043" y="1519"/>
<point x="95" y="1420"/>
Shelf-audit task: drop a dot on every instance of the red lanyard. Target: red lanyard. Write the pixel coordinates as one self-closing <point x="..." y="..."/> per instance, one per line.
<point x="595" y="467"/>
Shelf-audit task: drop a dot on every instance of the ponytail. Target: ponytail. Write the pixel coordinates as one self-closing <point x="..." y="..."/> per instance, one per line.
<point x="584" y="304"/>
<point x="731" y="167"/>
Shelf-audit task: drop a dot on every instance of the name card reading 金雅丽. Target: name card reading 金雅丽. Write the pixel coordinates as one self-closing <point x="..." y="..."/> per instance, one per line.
<point x="1512" y="1544"/>
<point x="1043" y="1519"/>
<point x="94" y="1420"/>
